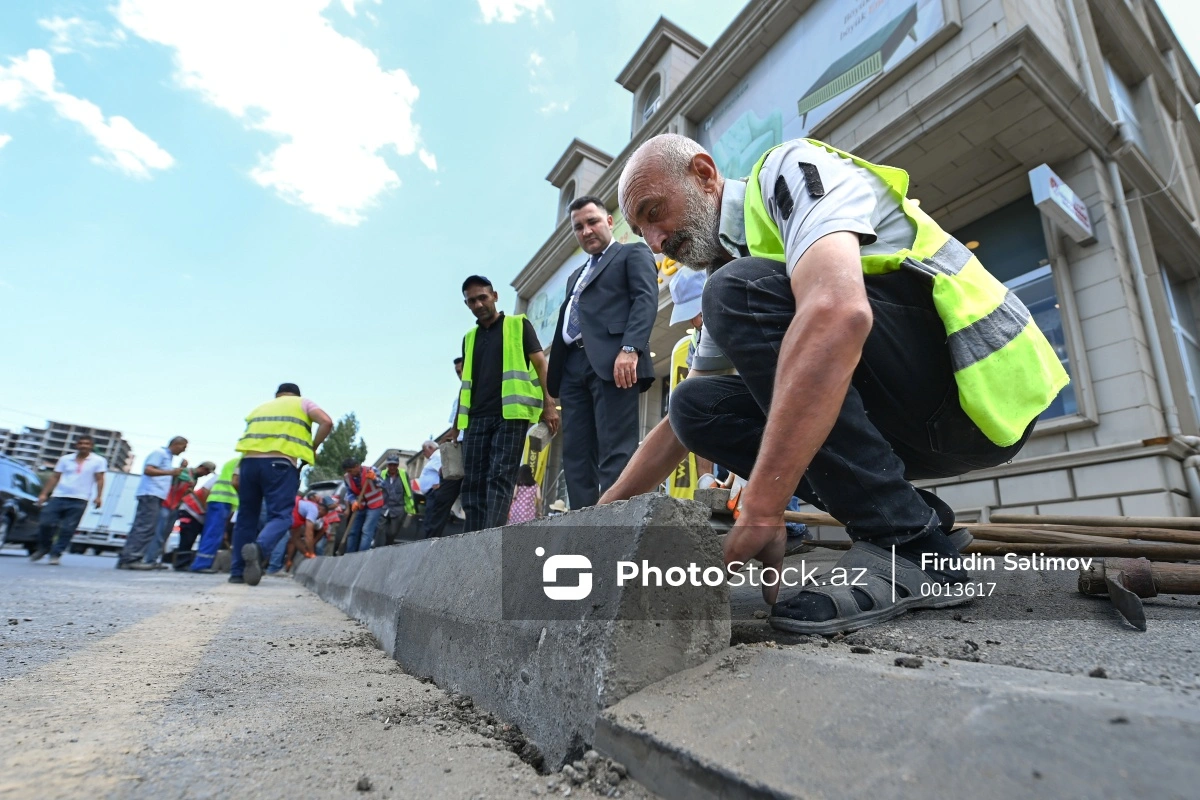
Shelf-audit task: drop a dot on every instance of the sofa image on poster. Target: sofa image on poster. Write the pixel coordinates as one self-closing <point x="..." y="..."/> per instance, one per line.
<point x="861" y="63"/>
<point x="745" y="141"/>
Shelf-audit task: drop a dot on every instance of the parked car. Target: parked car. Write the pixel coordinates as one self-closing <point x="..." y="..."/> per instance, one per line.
<point x="19" y="488"/>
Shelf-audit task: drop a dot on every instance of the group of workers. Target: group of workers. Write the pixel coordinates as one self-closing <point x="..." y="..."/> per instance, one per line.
<point x="846" y="346"/>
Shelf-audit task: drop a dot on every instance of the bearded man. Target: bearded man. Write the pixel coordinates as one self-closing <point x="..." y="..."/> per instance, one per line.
<point x="871" y="349"/>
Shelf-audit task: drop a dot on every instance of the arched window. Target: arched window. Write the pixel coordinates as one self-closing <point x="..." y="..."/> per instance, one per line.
<point x="564" y="202"/>
<point x="651" y="96"/>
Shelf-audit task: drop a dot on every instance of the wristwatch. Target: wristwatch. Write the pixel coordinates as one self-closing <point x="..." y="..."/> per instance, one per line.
<point x="629" y="349"/>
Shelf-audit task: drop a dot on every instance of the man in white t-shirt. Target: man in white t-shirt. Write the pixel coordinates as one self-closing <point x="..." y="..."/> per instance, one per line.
<point x="78" y="477"/>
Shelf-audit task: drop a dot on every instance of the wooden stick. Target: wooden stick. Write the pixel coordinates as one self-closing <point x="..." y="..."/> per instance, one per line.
<point x="1114" y="549"/>
<point x="1154" y="534"/>
<point x="1177" y="523"/>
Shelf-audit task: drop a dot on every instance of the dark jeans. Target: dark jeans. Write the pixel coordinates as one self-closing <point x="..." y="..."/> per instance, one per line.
<point x="600" y="429"/>
<point x="272" y="482"/>
<point x="900" y="420"/>
<point x="390" y="528"/>
<point x="58" y="521"/>
<point x="438" y="503"/>
<point x="141" y="534"/>
<point x="491" y="452"/>
<point x="362" y="529"/>
<point x="189" y="531"/>
<point x="166" y="524"/>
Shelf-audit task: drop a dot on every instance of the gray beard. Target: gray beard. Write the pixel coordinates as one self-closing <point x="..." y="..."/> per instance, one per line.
<point x="701" y="224"/>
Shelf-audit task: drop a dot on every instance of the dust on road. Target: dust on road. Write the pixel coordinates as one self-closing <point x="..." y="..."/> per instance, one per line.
<point x="158" y="685"/>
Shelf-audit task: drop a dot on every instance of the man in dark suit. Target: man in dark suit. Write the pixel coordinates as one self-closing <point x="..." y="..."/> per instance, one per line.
<point x="600" y="356"/>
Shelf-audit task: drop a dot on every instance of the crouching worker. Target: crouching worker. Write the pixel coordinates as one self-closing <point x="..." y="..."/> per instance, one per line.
<point x="871" y="349"/>
<point x="307" y="526"/>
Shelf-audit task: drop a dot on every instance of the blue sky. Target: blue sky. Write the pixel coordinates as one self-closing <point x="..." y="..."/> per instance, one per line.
<point x="199" y="200"/>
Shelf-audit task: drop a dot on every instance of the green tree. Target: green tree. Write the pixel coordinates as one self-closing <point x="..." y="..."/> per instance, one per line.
<point x="344" y="442"/>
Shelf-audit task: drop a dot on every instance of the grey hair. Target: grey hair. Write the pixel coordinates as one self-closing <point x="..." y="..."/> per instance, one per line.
<point x="669" y="151"/>
<point x="429" y="443"/>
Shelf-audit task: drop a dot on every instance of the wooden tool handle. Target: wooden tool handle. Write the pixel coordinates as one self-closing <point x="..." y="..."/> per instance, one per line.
<point x="1176" y="578"/>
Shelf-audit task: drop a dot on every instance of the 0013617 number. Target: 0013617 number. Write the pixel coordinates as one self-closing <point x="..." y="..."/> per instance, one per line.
<point x="957" y="589"/>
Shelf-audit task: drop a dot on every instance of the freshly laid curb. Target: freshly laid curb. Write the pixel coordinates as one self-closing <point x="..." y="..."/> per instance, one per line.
<point x="446" y="609"/>
<point x="762" y="721"/>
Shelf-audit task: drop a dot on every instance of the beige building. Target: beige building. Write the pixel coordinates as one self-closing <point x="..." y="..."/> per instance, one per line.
<point x="40" y="448"/>
<point x="970" y="96"/>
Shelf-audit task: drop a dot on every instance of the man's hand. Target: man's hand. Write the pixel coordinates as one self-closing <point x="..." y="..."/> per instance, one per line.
<point x="762" y="538"/>
<point x="97" y="502"/>
<point x="625" y="369"/>
<point x="175" y="473"/>
<point x="550" y="415"/>
<point x="41" y="501"/>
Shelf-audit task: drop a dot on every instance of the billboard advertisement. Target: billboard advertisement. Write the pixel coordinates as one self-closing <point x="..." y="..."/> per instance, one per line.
<point x="822" y="60"/>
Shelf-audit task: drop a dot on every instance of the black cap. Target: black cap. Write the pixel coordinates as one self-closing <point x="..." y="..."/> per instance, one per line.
<point x="349" y="463"/>
<point x="290" y="388"/>
<point x="458" y="360"/>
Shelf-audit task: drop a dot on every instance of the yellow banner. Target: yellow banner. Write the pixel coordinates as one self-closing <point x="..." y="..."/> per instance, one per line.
<point x="682" y="482"/>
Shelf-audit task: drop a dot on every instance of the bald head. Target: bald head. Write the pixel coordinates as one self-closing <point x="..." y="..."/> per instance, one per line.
<point x="670" y="193"/>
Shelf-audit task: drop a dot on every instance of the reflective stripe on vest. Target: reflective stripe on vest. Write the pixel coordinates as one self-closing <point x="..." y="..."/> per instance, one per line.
<point x="279" y="426"/>
<point x="222" y="491"/>
<point x="374" y="498"/>
<point x="520" y="391"/>
<point x="1007" y="372"/>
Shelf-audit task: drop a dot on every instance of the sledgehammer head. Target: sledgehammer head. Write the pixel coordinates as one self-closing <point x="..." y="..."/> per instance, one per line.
<point x="1125" y="581"/>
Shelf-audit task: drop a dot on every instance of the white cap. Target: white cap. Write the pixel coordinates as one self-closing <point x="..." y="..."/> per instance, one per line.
<point x="687" y="293"/>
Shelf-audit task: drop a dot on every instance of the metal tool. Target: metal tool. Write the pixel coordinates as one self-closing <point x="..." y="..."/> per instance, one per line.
<point x="1127" y="580"/>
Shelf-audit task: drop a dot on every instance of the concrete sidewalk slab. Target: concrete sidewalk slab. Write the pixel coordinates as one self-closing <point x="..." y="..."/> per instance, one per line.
<point x="1033" y="619"/>
<point x="821" y="721"/>
<point x="470" y="612"/>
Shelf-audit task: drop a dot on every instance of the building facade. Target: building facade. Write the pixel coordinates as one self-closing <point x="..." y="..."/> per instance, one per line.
<point x="40" y="448"/>
<point x="969" y="96"/>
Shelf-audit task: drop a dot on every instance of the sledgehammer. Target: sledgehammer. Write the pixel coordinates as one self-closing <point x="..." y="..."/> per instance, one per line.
<point x="1127" y="580"/>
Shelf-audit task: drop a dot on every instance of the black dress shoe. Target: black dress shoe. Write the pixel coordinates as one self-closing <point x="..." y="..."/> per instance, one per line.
<point x="236" y="579"/>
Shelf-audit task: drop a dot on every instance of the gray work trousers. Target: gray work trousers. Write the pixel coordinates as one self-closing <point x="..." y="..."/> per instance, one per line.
<point x="145" y="524"/>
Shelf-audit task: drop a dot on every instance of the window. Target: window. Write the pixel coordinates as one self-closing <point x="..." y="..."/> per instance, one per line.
<point x="650" y="98"/>
<point x="1181" y="300"/>
<point x="1122" y="97"/>
<point x="564" y="202"/>
<point x="19" y="483"/>
<point x="1011" y="244"/>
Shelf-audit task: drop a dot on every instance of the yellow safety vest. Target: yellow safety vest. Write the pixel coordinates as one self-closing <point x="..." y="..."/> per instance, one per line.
<point x="279" y="426"/>
<point x="1007" y="372"/>
<point x="222" y="491"/>
<point x="520" y="392"/>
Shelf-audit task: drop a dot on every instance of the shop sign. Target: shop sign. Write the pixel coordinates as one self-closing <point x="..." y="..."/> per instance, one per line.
<point x="1054" y="198"/>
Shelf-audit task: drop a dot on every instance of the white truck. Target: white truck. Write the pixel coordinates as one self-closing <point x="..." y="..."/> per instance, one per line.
<point x="105" y="528"/>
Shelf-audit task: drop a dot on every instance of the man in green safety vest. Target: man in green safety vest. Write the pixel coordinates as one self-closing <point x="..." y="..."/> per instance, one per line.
<point x="222" y="501"/>
<point x="504" y="370"/>
<point x="277" y="441"/>
<point x="870" y="348"/>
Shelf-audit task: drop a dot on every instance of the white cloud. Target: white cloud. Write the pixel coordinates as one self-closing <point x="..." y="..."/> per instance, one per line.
<point x="554" y="108"/>
<point x="512" y="10"/>
<point x="351" y="6"/>
<point x="281" y="68"/>
<point x="535" y="61"/>
<point x="72" y="33"/>
<point x="4" y="139"/>
<point x="428" y="159"/>
<point x="123" y="145"/>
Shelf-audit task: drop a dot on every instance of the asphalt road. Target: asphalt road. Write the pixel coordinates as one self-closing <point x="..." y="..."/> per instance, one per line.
<point x="169" y="685"/>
